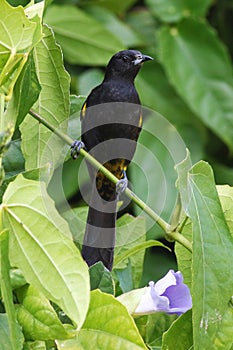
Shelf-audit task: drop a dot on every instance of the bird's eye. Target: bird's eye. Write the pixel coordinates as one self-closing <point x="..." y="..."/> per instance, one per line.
<point x="125" y="58"/>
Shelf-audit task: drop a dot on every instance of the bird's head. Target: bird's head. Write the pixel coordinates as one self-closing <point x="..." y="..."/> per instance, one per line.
<point x="126" y="63"/>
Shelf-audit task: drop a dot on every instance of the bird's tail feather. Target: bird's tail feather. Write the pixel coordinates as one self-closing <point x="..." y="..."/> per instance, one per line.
<point x="99" y="239"/>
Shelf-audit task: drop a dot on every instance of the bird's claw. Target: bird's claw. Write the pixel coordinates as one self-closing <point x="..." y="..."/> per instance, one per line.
<point x="122" y="184"/>
<point x="75" y="148"/>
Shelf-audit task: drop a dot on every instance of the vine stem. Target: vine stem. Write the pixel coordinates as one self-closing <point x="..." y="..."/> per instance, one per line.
<point x="172" y="235"/>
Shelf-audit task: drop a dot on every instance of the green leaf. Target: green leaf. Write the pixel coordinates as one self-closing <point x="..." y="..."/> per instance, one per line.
<point x="131" y="232"/>
<point x="77" y="219"/>
<point x="182" y="169"/>
<point x="101" y="278"/>
<point x="182" y="327"/>
<point x="41" y="174"/>
<point x="18" y="36"/>
<point x="13" y="160"/>
<point x="5" y="343"/>
<point x="25" y="94"/>
<point x="212" y="273"/>
<point x="144" y="24"/>
<point x="225" y="193"/>
<point x="88" y="79"/>
<point x="115" y="6"/>
<point x="41" y="247"/>
<point x="153" y="326"/>
<point x="76" y="103"/>
<point x="114" y="330"/>
<point x="36" y="345"/>
<point x="36" y="316"/>
<point x="112" y="23"/>
<point x="17" y="279"/>
<point x="173" y="11"/>
<point x="39" y="145"/>
<point x="83" y="39"/>
<point x="159" y="148"/>
<point x="184" y="256"/>
<point x="135" y="249"/>
<point x="207" y="88"/>
<point x="15" y="333"/>
<point x="176" y="111"/>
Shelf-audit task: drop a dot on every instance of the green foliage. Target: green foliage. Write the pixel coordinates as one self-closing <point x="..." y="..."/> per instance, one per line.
<point x="114" y="330"/>
<point x="49" y="298"/>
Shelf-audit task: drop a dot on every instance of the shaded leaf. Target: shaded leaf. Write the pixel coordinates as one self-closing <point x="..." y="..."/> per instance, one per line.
<point x="173" y="11"/>
<point x="207" y="88"/>
<point x="83" y="39"/>
<point x="25" y="93"/>
<point x="101" y="278"/>
<point x="177" y="112"/>
<point x="117" y="27"/>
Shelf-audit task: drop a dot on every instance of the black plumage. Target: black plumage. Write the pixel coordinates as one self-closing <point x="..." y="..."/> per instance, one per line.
<point x="111" y="123"/>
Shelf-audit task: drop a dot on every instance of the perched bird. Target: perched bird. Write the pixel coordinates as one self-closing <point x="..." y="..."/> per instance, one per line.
<point x="111" y="122"/>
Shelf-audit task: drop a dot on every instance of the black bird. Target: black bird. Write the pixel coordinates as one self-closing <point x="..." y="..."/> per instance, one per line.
<point x="111" y="123"/>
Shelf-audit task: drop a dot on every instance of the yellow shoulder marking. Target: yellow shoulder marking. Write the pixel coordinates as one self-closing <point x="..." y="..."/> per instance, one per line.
<point x="140" y="121"/>
<point x="84" y="107"/>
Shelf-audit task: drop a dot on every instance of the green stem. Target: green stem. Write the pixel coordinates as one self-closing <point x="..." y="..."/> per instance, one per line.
<point x="7" y="292"/>
<point x="131" y="195"/>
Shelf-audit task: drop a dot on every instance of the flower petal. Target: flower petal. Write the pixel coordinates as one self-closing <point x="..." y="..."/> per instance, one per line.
<point x="152" y="302"/>
<point x="168" y="280"/>
<point x="180" y="299"/>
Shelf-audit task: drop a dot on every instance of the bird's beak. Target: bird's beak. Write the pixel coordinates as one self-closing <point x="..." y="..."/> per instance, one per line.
<point x="142" y="58"/>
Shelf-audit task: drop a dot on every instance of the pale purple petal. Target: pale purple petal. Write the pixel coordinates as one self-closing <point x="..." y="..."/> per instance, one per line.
<point x="168" y="280"/>
<point x="151" y="301"/>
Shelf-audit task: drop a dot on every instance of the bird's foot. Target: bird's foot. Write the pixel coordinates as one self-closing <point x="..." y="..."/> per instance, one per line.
<point x="75" y="148"/>
<point x="122" y="184"/>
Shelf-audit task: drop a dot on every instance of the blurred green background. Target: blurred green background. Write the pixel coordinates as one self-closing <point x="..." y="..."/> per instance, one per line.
<point x="189" y="83"/>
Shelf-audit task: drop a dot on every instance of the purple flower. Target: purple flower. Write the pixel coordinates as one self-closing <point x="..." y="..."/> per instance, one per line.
<point x="169" y="294"/>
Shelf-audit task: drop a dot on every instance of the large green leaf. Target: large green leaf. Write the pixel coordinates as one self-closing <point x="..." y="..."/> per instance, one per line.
<point x="40" y="245"/>
<point x="212" y="274"/>
<point x="83" y="39"/>
<point x="39" y="145"/>
<point x="115" y="328"/>
<point x="18" y="35"/>
<point x="173" y="11"/>
<point x="207" y="88"/>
